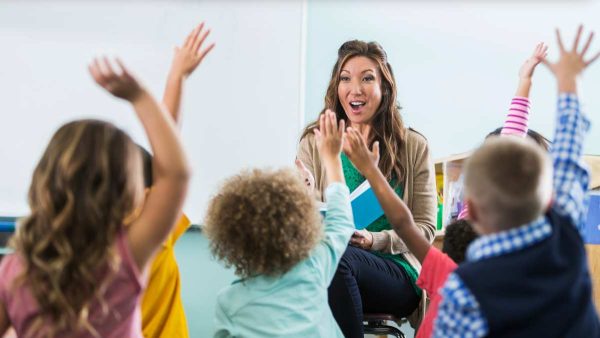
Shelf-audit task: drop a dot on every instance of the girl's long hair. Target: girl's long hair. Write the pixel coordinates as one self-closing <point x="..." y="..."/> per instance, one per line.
<point x="82" y="189"/>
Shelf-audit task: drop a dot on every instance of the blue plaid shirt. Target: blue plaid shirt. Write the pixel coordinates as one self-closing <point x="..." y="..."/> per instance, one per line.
<point x="459" y="314"/>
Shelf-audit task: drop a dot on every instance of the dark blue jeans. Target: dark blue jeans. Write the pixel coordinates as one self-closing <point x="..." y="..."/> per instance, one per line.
<point x="367" y="283"/>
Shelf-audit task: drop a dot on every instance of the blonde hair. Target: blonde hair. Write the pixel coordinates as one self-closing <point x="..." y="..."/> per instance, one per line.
<point x="509" y="180"/>
<point x="81" y="191"/>
<point x="263" y="222"/>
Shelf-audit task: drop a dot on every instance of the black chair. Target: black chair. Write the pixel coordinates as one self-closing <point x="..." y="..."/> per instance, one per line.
<point x="376" y="324"/>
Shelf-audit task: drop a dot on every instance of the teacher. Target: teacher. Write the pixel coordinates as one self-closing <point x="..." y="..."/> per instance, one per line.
<point x="377" y="273"/>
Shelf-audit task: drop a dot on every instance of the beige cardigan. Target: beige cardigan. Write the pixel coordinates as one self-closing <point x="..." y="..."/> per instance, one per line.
<point x="419" y="193"/>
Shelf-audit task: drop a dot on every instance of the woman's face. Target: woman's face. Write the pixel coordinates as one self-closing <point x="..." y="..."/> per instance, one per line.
<point x="359" y="89"/>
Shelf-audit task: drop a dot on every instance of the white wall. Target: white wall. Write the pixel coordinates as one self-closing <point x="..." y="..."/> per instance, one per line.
<point x="455" y="62"/>
<point x="241" y="107"/>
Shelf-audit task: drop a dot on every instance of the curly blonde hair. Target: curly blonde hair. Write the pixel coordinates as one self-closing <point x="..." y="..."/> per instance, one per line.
<point x="82" y="189"/>
<point x="263" y="222"/>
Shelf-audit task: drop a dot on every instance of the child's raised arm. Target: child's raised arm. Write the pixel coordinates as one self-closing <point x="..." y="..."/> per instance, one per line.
<point x="570" y="173"/>
<point x="171" y="171"/>
<point x="395" y="210"/>
<point x="329" y="142"/>
<point x="186" y="59"/>
<point x="517" y="119"/>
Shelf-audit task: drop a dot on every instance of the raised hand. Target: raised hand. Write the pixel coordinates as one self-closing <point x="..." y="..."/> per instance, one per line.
<point x="357" y="151"/>
<point x="308" y="177"/>
<point x="329" y="135"/>
<point x="571" y="62"/>
<point x="539" y="54"/>
<point x="191" y="54"/>
<point x="120" y="84"/>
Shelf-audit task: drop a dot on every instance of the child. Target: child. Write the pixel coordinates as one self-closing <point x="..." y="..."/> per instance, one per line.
<point x="162" y="309"/>
<point x="435" y="265"/>
<point x="76" y="270"/>
<point x="266" y="225"/>
<point x="517" y="119"/>
<point x="527" y="275"/>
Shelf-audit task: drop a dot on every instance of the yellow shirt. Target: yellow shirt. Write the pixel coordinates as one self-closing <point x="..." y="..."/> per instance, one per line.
<point x="162" y="308"/>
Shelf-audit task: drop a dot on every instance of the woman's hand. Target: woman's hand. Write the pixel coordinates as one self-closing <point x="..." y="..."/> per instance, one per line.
<point x="356" y="149"/>
<point x="539" y="54"/>
<point x="307" y="176"/>
<point x="191" y="54"/>
<point x="362" y="239"/>
<point x="122" y="84"/>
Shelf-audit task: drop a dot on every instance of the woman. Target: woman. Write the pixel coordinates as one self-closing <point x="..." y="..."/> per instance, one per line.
<point x="377" y="273"/>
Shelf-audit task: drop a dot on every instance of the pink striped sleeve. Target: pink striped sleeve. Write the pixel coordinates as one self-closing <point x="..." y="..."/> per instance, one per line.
<point x="517" y="119"/>
<point x="464" y="213"/>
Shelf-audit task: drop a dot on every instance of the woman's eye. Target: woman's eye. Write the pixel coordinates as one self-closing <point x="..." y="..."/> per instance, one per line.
<point x="368" y="78"/>
<point x="344" y="78"/>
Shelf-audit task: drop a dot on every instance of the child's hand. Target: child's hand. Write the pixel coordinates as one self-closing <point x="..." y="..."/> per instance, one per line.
<point x="571" y="62"/>
<point x="308" y="177"/>
<point x="362" y="239"/>
<point x="356" y="149"/>
<point x="122" y="84"/>
<point x="329" y="136"/>
<point x="191" y="54"/>
<point x="539" y="54"/>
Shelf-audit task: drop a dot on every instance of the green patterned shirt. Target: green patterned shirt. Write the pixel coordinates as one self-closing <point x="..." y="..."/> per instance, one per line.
<point x="353" y="180"/>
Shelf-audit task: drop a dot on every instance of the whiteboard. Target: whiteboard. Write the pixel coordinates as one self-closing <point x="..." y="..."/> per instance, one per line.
<point x="456" y="62"/>
<point x="240" y="109"/>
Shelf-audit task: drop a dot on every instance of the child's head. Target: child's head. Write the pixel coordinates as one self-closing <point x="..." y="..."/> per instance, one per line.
<point x="532" y="134"/>
<point x="263" y="222"/>
<point x="458" y="235"/>
<point x="87" y="181"/>
<point x="508" y="183"/>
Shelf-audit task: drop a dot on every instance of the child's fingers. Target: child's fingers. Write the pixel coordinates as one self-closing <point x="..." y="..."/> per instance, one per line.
<point x="587" y="44"/>
<point x="589" y="62"/>
<point x="96" y="75"/>
<point x="205" y="52"/>
<point x="577" y="37"/>
<point x="559" y="40"/>
<point x="109" y="70"/>
<point x="342" y="127"/>
<point x="317" y="133"/>
<point x="376" y="149"/>
<point x="199" y="41"/>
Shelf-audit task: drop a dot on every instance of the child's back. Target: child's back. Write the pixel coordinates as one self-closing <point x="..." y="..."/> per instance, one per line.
<point x="121" y="298"/>
<point x="527" y="276"/>
<point x="267" y="226"/>
<point x="294" y="304"/>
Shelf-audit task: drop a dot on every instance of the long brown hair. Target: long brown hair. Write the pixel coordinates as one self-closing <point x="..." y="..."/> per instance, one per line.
<point x="387" y="124"/>
<point x="82" y="189"/>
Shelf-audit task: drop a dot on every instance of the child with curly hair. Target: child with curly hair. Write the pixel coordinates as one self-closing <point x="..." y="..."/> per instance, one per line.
<point x="266" y="225"/>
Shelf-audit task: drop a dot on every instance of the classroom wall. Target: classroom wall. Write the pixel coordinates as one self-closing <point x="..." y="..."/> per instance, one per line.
<point x="241" y="107"/>
<point x="455" y="62"/>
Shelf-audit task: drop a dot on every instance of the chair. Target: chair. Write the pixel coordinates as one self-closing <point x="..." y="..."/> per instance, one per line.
<point x="376" y="324"/>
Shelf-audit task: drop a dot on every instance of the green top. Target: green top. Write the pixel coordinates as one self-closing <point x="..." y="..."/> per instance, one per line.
<point x="353" y="180"/>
